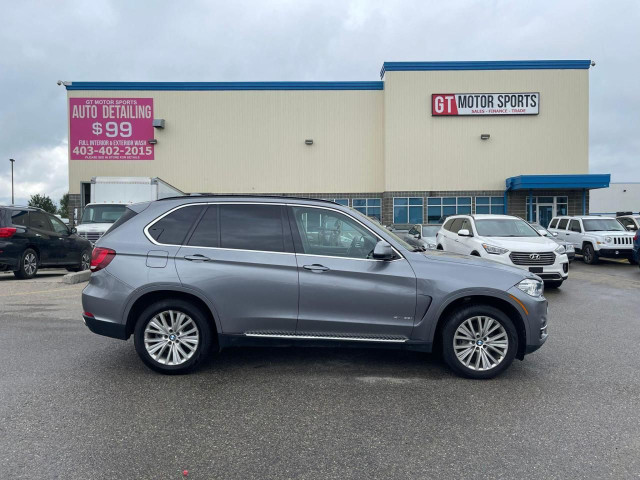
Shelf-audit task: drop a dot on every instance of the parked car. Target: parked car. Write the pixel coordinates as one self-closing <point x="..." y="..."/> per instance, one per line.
<point x="568" y="247"/>
<point x="636" y="247"/>
<point x="628" y="220"/>
<point x="595" y="236"/>
<point x="31" y="238"/>
<point x="422" y="236"/>
<point x="506" y="239"/>
<point x="188" y="275"/>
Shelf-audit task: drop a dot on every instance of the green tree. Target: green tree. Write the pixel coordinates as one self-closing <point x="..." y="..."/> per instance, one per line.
<point x="43" y="202"/>
<point x="64" y="206"/>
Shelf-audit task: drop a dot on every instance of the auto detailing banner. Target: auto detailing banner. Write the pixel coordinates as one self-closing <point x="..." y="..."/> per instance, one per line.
<point x="110" y="128"/>
<point x="485" y="103"/>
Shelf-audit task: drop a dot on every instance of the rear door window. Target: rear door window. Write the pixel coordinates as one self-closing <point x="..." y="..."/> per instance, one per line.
<point x="574" y="226"/>
<point x="206" y="233"/>
<point x="553" y="223"/>
<point x="172" y="229"/>
<point x="40" y="221"/>
<point x="562" y="224"/>
<point x="252" y="227"/>
<point x="20" y="217"/>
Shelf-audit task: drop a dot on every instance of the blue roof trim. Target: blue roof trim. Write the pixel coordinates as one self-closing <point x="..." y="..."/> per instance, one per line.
<point x="225" y="86"/>
<point x="486" y="65"/>
<point x="527" y="182"/>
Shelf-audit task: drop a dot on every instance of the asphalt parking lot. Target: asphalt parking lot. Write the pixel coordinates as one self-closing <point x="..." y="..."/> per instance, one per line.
<point x="76" y="405"/>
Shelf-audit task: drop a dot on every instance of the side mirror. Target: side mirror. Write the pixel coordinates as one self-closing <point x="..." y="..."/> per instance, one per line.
<point x="555" y="234"/>
<point x="417" y="236"/>
<point x="542" y="232"/>
<point x="464" y="233"/>
<point x="73" y="230"/>
<point x="631" y="228"/>
<point x="383" y="251"/>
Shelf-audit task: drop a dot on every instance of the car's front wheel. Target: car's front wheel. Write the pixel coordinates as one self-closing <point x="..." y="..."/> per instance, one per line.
<point x="479" y="341"/>
<point x="28" y="265"/>
<point x="589" y="255"/>
<point x="172" y="336"/>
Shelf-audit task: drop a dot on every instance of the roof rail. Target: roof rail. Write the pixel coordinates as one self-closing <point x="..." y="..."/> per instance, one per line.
<point x="236" y="195"/>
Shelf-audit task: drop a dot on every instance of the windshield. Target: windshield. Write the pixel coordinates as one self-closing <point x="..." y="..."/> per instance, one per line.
<point x="430" y="230"/>
<point x="389" y="232"/>
<point x="102" y="213"/>
<point x="602" y="225"/>
<point x="505" y="228"/>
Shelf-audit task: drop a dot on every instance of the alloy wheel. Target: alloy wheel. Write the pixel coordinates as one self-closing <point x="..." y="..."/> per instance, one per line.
<point x="30" y="263"/>
<point x="85" y="263"/>
<point x="171" y="337"/>
<point x="480" y="343"/>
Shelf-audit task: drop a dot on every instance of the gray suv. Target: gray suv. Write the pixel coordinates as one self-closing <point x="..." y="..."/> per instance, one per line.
<point x="188" y="275"/>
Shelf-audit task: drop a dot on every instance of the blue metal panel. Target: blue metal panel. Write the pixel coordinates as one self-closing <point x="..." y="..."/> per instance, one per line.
<point x="589" y="181"/>
<point x="225" y="86"/>
<point x="486" y="65"/>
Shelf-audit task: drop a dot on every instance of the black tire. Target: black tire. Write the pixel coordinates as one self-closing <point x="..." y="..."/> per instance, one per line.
<point x="475" y="254"/>
<point x="85" y="262"/>
<point x="552" y="284"/>
<point x="632" y="261"/>
<point x="467" y="313"/>
<point x="439" y="247"/>
<point x="28" y="265"/>
<point x="204" y="330"/>
<point x="589" y="255"/>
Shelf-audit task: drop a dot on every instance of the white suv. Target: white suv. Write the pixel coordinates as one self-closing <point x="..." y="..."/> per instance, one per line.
<point x="508" y="240"/>
<point x="595" y="237"/>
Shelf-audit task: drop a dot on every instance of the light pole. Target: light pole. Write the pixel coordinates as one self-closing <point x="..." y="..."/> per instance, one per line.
<point x="12" y="162"/>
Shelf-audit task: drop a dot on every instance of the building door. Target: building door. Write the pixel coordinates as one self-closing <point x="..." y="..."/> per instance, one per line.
<point x="544" y="214"/>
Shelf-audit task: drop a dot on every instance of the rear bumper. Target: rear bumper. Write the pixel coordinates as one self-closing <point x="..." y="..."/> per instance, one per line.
<point x="108" y="329"/>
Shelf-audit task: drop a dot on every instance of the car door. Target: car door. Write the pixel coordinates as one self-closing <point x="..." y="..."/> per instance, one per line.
<point x="573" y="234"/>
<point x="464" y="244"/>
<point x="343" y="291"/>
<point x="241" y="257"/>
<point x="49" y="243"/>
<point x="454" y="240"/>
<point x="68" y="249"/>
<point x="449" y="236"/>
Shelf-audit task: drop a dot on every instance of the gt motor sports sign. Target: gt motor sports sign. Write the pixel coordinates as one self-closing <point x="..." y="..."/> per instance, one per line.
<point x="110" y="128"/>
<point x="484" y="104"/>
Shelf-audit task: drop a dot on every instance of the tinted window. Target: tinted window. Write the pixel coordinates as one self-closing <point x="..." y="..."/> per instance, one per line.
<point x="505" y="228"/>
<point x="329" y="233"/>
<point x="574" y="226"/>
<point x="602" y="225"/>
<point x="20" y="217"/>
<point x="173" y="228"/>
<point x="447" y="225"/>
<point x="206" y="233"/>
<point x="562" y="224"/>
<point x="58" y="226"/>
<point x="39" y="220"/>
<point x="456" y="225"/>
<point x="553" y="223"/>
<point x="251" y="227"/>
<point x="127" y="215"/>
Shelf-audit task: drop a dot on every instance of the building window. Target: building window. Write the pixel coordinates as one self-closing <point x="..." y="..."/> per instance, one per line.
<point x="408" y="210"/>
<point x="339" y="201"/>
<point x="544" y="206"/>
<point x="439" y="208"/>
<point x="494" y="205"/>
<point x="371" y="207"/>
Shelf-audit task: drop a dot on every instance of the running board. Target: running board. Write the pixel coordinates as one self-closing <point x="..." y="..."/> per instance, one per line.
<point x="329" y="336"/>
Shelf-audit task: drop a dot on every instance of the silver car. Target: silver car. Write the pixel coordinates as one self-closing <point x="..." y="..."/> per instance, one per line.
<point x="189" y="275"/>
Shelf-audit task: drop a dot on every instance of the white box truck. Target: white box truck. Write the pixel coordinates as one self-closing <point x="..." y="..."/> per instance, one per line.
<point x="110" y="196"/>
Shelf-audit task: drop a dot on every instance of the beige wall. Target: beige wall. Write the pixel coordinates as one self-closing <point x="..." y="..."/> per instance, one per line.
<point x="253" y="141"/>
<point x="445" y="153"/>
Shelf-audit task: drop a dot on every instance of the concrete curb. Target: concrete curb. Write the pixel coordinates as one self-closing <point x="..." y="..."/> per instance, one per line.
<point x="77" y="277"/>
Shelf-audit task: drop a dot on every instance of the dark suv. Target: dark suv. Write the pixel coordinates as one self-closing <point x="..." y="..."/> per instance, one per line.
<point x="185" y="275"/>
<point x="31" y="238"/>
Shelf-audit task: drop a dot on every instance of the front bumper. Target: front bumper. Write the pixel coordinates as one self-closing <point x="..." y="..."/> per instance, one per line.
<point x="615" y="252"/>
<point x="559" y="270"/>
<point x="535" y="317"/>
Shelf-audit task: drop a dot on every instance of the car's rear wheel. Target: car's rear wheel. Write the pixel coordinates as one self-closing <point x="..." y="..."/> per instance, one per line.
<point x="28" y="265"/>
<point x="85" y="262"/>
<point x="589" y="255"/>
<point x="553" y="283"/>
<point x="479" y="342"/>
<point x="172" y="336"/>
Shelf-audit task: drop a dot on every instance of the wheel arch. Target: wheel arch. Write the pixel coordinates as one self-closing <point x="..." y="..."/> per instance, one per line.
<point x="501" y="304"/>
<point x="146" y="298"/>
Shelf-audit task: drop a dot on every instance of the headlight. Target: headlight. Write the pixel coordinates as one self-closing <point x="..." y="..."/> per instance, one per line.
<point x="560" y="250"/>
<point x="494" y="250"/>
<point x="432" y="246"/>
<point x="531" y="287"/>
<point x="607" y="239"/>
<point x="570" y="248"/>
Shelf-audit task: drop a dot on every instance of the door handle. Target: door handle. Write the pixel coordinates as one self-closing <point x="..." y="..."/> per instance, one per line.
<point x="316" y="268"/>
<point x="197" y="258"/>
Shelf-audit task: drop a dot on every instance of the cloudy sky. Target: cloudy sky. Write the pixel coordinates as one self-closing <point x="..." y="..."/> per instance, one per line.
<point x="42" y="42"/>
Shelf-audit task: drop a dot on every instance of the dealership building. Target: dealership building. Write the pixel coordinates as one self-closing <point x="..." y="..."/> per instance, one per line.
<point x="430" y="139"/>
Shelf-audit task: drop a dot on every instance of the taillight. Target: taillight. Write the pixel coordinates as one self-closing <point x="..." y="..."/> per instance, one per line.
<point x="101" y="257"/>
<point x="7" y="232"/>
